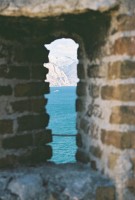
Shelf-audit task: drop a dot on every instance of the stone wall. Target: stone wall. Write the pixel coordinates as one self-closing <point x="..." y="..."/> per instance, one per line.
<point x="105" y="104"/>
<point x="22" y="115"/>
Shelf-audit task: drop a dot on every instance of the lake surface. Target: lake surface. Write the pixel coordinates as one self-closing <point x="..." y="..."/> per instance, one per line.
<point x="61" y="108"/>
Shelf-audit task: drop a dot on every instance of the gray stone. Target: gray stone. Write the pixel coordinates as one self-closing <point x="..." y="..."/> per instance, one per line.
<point x="52" y="182"/>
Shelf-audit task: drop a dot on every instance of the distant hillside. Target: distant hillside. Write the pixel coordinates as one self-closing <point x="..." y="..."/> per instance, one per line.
<point x="62" y="71"/>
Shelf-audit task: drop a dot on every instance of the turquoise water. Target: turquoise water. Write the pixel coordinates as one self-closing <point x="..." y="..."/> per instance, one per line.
<point x="61" y="108"/>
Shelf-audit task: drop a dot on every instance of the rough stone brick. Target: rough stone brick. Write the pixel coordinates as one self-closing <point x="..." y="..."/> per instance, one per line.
<point x="94" y="91"/>
<point x="33" y="105"/>
<point x="31" y="89"/>
<point x="17" y="72"/>
<point x="6" y="90"/>
<point x="43" y="137"/>
<point x="79" y="105"/>
<point x="21" y="106"/>
<point x="80" y="71"/>
<point x="123" y="115"/>
<point x="112" y="161"/>
<point x="37" y="105"/>
<point x="93" y="164"/>
<point x="93" y="71"/>
<point x="81" y="156"/>
<point x="121" y="70"/>
<point x="133" y="162"/>
<point x="120" y="92"/>
<point x="39" y="72"/>
<point x="131" y="185"/>
<point x="81" y="89"/>
<point x="105" y="193"/>
<point x="125" y="45"/>
<point x="133" y="140"/>
<point x="31" y="122"/>
<point x="79" y="140"/>
<point x="17" y="141"/>
<point x="34" y="53"/>
<point x="126" y="22"/>
<point x="6" y="126"/>
<point x="96" y="151"/>
<point x="8" y="161"/>
<point x="117" y="139"/>
<point x="41" y="154"/>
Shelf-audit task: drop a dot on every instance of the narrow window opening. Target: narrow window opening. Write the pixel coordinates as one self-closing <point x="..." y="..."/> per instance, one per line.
<point x="61" y="100"/>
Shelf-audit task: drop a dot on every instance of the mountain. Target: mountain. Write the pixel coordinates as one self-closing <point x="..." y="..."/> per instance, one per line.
<point x="62" y="71"/>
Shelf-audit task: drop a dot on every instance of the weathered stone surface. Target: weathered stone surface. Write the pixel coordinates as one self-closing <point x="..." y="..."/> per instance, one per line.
<point x="81" y="89"/>
<point x="113" y="157"/>
<point x="33" y="105"/>
<point x="81" y="156"/>
<point x="51" y="8"/>
<point x="107" y="193"/>
<point x="123" y="115"/>
<point x="131" y="185"/>
<point x="125" y="45"/>
<point x="120" y="92"/>
<point x="31" y="122"/>
<point x="96" y="151"/>
<point x="43" y="137"/>
<point x="31" y="89"/>
<point x="126" y="22"/>
<point x="117" y="139"/>
<point x="122" y="70"/>
<point x="6" y="126"/>
<point x="5" y="90"/>
<point x="55" y="182"/>
<point x="16" y="72"/>
<point x="18" y="141"/>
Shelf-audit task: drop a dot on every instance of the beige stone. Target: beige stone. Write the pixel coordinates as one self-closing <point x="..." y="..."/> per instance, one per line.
<point x="44" y="8"/>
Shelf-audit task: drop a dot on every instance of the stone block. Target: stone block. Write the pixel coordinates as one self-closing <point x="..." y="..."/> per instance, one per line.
<point x="81" y="89"/>
<point x="121" y="140"/>
<point x="16" y="72"/>
<point x="81" y="156"/>
<point x="8" y="161"/>
<point x="123" y="115"/>
<point x="80" y="71"/>
<point x="121" y="70"/>
<point x="105" y="193"/>
<point x="79" y="140"/>
<point x="31" y="89"/>
<point x="80" y="107"/>
<point x="39" y="72"/>
<point x="112" y="160"/>
<point x="6" y="126"/>
<point x="133" y="140"/>
<point x="131" y="185"/>
<point x="96" y="151"/>
<point x="133" y="163"/>
<point x="93" y="71"/>
<point x="31" y="53"/>
<point x="121" y="92"/>
<point x="31" y="122"/>
<point x="125" y="45"/>
<point x="43" y="137"/>
<point x="17" y="141"/>
<point x="6" y="90"/>
<point x="31" y="105"/>
<point x="94" y="91"/>
<point x="40" y="154"/>
<point x="126" y="22"/>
